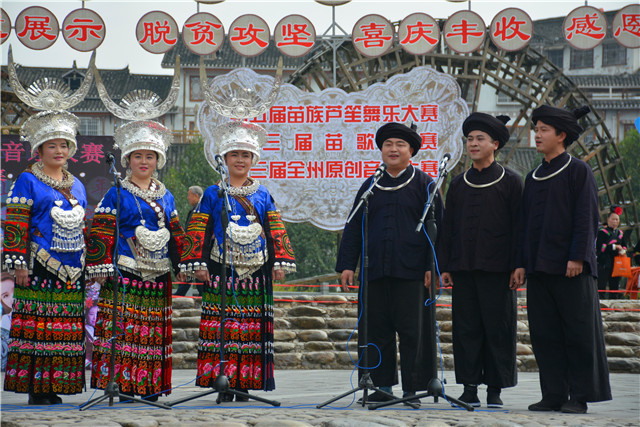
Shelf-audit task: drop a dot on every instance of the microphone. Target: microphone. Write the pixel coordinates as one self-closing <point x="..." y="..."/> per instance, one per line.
<point x="110" y="158"/>
<point x="219" y="160"/>
<point x="380" y="170"/>
<point x="444" y="161"/>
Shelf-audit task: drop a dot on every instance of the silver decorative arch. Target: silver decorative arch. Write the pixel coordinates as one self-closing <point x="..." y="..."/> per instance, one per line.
<point x="49" y="93"/>
<point x="140" y="104"/>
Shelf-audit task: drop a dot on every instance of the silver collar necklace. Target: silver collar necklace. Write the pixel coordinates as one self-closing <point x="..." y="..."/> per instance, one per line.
<point x="245" y="190"/>
<point x="533" y="175"/>
<point x="156" y="192"/>
<point x="483" y="185"/>
<point x="397" y="187"/>
<point x="67" y="179"/>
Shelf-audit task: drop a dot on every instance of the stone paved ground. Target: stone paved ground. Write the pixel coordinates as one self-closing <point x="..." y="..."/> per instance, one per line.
<point x="300" y="391"/>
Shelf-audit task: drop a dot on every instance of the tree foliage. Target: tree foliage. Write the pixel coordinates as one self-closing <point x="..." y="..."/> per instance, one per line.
<point x="315" y="250"/>
<point x="629" y="149"/>
<point x="191" y="168"/>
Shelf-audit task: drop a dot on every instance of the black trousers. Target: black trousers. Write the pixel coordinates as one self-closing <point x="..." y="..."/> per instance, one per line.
<point x="183" y="288"/>
<point x="566" y="334"/>
<point x="604" y="277"/>
<point x="484" y="329"/>
<point x="393" y="307"/>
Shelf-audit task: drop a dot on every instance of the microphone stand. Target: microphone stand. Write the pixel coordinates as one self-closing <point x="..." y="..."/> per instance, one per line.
<point x="435" y="386"/>
<point x="112" y="390"/>
<point x="221" y="383"/>
<point x="365" y="382"/>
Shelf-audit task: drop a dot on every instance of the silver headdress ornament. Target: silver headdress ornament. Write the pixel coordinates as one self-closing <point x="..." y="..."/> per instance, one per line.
<point x="237" y="103"/>
<point x="142" y="106"/>
<point x="55" y="97"/>
<point x="238" y="135"/>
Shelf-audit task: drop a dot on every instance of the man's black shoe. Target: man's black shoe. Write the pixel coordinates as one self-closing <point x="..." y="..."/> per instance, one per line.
<point x="469" y="396"/>
<point x="493" y="398"/>
<point x="376" y="397"/>
<point x="574" y="406"/>
<point x="545" y="406"/>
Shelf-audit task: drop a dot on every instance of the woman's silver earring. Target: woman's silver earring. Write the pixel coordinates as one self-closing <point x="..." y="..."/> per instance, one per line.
<point x="155" y="174"/>
<point x="129" y="172"/>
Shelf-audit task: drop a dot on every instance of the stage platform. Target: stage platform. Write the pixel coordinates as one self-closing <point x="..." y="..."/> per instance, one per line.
<point x="299" y="391"/>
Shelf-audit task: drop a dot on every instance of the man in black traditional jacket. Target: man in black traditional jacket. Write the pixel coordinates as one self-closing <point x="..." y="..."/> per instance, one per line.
<point x="476" y="255"/>
<point x="557" y="232"/>
<point x="399" y="263"/>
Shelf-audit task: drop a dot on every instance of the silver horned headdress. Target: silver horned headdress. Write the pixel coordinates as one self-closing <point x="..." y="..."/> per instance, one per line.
<point x="54" y="97"/>
<point x="141" y="106"/>
<point x="237" y="103"/>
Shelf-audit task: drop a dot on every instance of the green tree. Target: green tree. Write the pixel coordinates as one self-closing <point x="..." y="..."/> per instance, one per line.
<point x="191" y="168"/>
<point x="629" y="149"/>
<point x="315" y="250"/>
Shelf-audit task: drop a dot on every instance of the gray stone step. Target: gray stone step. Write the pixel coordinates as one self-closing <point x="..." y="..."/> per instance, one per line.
<point x="312" y="335"/>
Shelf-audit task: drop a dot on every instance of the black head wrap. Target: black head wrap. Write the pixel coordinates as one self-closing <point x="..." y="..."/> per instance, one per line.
<point x="493" y="126"/>
<point x="561" y="119"/>
<point x="615" y="209"/>
<point x="398" y="130"/>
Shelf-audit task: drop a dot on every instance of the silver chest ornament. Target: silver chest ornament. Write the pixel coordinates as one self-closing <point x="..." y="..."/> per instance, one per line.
<point x="244" y="235"/>
<point x="67" y="227"/>
<point x="152" y="247"/>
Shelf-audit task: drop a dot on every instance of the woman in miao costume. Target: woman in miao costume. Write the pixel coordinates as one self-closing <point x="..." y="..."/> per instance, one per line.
<point x="148" y="249"/>
<point x="258" y="251"/>
<point x="44" y="247"/>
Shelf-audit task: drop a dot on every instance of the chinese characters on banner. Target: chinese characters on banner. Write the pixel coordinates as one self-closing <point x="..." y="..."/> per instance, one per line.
<point x="37" y="28"/>
<point x="203" y="33"/>
<point x="5" y="26"/>
<point x="294" y="35"/>
<point x="464" y="31"/>
<point x="418" y="34"/>
<point x="585" y="27"/>
<point x="88" y="165"/>
<point x="626" y="26"/>
<point x="511" y="29"/>
<point x="249" y="35"/>
<point x="372" y="35"/>
<point x="321" y="146"/>
<point x="157" y="32"/>
<point x="83" y="30"/>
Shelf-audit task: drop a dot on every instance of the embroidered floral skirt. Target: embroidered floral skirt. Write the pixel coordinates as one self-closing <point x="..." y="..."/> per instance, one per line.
<point x="46" y="352"/>
<point x="248" y="335"/>
<point x="143" y="336"/>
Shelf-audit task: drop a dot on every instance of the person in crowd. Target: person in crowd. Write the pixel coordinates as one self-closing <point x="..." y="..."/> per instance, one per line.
<point x="8" y="285"/>
<point x="194" y="195"/>
<point x="557" y="233"/>
<point x="44" y="247"/>
<point x="148" y="249"/>
<point x="476" y="256"/>
<point x="610" y="242"/>
<point x="399" y="266"/>
<point x="636" y="254"/>
<point x="258" y="252"/>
